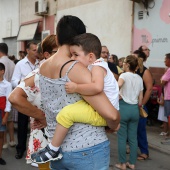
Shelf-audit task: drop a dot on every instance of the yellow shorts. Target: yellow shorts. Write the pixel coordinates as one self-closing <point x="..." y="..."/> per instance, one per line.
<point x="80" y="112"/>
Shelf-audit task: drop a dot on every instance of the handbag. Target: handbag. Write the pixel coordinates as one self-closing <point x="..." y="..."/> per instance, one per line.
<point x="143" y="112"/>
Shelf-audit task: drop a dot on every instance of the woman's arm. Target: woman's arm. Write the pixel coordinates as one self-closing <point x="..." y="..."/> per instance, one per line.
<point x="148" y="81"/>
<point x="18" y="99"/>
<point x="99" y="102"/>
<point x="140" y="98"/>
<point x="103" y="106"/>
<point x="120" y="82"/>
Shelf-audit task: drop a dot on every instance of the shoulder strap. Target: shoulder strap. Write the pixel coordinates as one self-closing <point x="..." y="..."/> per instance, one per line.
<point x="71" y="67"/>
<point x="63" y="67"/>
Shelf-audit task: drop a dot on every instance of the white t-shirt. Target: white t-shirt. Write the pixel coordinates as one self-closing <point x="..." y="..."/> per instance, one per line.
<point x="131" y="88"/>
<point x="22" y="69"/>
<point x="111" y="88"/>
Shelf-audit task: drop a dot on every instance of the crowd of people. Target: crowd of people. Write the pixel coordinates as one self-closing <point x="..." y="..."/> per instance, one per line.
<point x="72" y="91"/>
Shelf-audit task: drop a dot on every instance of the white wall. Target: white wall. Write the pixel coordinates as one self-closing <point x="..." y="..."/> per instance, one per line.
<point x="153" y="31"/>
<point x="110" y="20"/>
<point x="9" y="18"/>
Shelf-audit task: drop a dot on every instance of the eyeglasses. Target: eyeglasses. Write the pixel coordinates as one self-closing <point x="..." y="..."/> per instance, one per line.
<point x="104" y="52"/>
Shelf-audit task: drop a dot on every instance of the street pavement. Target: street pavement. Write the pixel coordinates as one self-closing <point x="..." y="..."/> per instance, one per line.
<point x="158" y="160"/>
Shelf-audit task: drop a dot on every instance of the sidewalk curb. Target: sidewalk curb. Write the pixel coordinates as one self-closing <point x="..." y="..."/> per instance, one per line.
<point x="158" y="149"/>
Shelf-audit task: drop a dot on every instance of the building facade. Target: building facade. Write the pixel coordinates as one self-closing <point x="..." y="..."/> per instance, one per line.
<point x="121" y="25"/>
<point x="110" y="20"/>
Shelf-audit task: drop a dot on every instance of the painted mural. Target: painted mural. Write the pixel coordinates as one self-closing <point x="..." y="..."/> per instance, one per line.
<point x="153" y="31"/>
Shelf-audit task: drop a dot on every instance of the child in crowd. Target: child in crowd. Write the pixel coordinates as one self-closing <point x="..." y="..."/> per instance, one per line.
<point x="5" y="107"/>
<point x="121" y="62"/>
<point x="161" y="116"/>
<point x="85" y="48"/>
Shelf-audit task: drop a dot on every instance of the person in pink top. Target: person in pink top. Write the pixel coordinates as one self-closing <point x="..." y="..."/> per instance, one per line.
<point x="165" y="81"/>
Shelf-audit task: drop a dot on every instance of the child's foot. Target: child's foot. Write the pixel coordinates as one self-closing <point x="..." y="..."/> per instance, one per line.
<point x="45" y="155"/>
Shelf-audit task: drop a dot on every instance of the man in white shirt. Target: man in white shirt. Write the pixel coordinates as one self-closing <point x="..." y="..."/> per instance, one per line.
<point x="105" y="54"/>
<point x="22" y="68"/>
<point x="9" y="65"/>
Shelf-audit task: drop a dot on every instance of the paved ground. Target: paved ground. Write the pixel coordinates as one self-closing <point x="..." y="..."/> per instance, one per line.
<point x="159" y="154"/>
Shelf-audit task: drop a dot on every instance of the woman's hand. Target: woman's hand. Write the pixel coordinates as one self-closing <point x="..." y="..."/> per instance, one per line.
<point x="39" y="124"/>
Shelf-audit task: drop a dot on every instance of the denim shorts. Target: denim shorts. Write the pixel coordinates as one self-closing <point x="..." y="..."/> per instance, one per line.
<point x="93" y="158"/>
<point x="167" y="108"/>
<point x="2" y="127"/>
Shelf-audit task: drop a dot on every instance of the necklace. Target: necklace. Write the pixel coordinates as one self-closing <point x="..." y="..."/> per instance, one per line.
<point x="31" y="66"/>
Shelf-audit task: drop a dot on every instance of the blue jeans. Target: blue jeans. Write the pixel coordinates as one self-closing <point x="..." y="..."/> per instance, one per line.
<point x="93" y="158"/>
<point x="142" y="136"/>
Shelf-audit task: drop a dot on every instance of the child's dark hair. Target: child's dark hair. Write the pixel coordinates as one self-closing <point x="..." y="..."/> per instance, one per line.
<point x="2" y="66"/>
<point x="90" y="43"/>
<point x="4" y="48"/>
<point x="68" y="27"/>
<point x="132" y="60"/>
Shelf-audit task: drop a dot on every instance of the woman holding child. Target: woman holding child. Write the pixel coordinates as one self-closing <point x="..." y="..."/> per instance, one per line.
<point x="84" y="144"/>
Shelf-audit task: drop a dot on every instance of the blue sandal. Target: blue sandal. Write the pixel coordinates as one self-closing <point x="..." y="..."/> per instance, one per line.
<point x="41" y="158"/>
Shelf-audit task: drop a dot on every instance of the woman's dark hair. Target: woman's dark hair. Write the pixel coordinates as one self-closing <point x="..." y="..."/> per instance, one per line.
<point x="132" y="60"/>
<point x="140" y="54"/>
<point x="140" y="48"/>
<point x="115" y="59"/>
<point x="68" y="27"/>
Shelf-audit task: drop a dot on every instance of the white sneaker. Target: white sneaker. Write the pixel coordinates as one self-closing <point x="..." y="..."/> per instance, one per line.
<point x="163" y="133"/>
<point x="12" y="143"/>
<point x="34" y="164"/>
<point x="5" y="146"/>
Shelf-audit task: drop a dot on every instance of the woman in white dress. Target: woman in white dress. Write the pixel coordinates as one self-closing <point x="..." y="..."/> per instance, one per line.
<point x="38" y="139"/>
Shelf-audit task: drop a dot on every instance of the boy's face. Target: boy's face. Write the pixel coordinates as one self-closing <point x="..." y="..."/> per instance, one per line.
<point x="78" y="54"/>
<point x="2" y="73"/>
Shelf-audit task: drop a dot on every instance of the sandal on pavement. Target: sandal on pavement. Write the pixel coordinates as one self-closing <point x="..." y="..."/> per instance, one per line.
<point x="163" y="133"/>
<point x="143" y="157"/>
<point x="41" y="156"/>
<point x="130" y="166"/>
<point x="120" y="166"/>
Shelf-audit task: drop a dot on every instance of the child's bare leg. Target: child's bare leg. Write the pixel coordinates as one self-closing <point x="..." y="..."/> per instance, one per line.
<point x="59" y="135"/>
